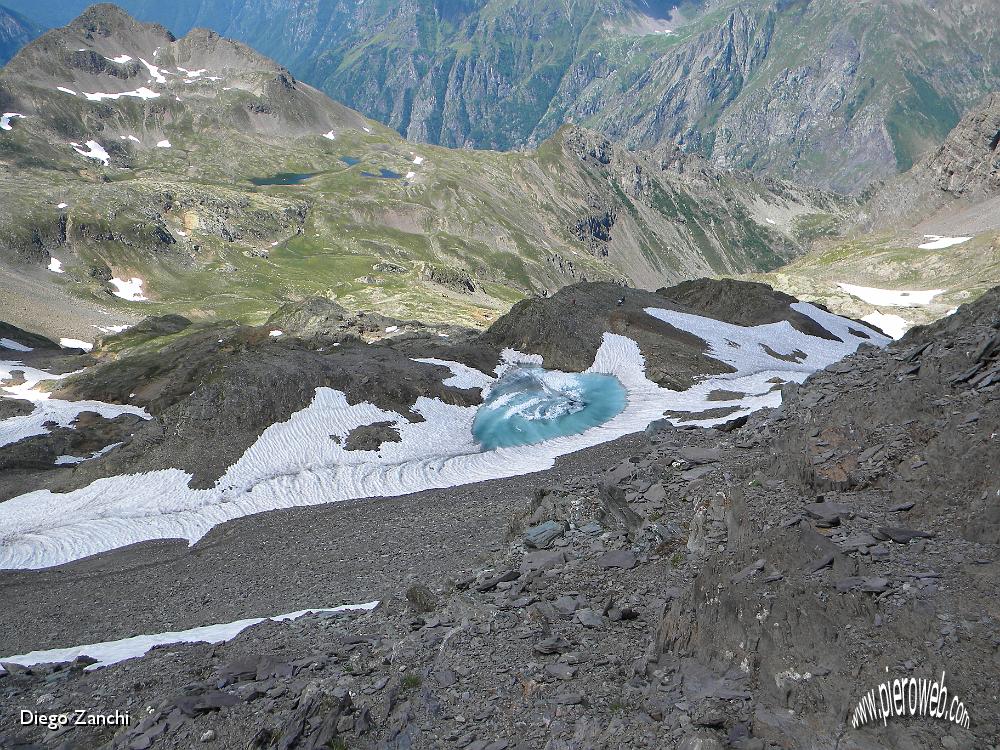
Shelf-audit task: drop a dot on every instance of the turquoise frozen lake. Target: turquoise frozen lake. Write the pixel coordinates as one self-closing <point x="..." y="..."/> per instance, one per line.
<point x="530" y="405"/>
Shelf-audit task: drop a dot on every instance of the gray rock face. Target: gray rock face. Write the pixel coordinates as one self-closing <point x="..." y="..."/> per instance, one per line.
<point x="968" y="163"/>
<point x="966" y="167"/>
<point x="543" y="535"/>
<point x="371" y="437"/>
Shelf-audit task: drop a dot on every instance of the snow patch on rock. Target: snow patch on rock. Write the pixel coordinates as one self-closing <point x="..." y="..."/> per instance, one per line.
<point x="893" y="325"/>
<point x="7" y="118"/>
<point x="14" y="346"/>
<point x="155" y="73"/>
<point x="937" y="242"/>
<point x="93" y="150"/>
<point x="891" y="297"/>
<point x="73" y="460"/>
<point x="75" y="344"/>
<point x="113" y="652"/>
<point x="462" y="376"/>
<point x="47" y="409"/>
<point x="130" y="289"/>
<point x="140" y="93"/>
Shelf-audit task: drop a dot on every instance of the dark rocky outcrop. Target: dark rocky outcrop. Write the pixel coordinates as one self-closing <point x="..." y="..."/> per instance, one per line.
<point x="742" y="303"/>
<point x="370" y="437"/>
<point x="25" y="338"/>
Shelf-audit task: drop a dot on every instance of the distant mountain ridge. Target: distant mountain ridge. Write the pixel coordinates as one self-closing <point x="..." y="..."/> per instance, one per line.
<point x="833" y="93"/>
<point x="15" y="32"/>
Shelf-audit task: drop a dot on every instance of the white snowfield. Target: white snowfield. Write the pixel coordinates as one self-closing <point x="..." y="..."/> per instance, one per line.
<point x="130" y="289"/>
<point x="891" y="297"/>
<point x="113" y="652"/>
<point x="93" y="150"/>
<point x="47" y="409"/>
<point x="66" y="90"/>
<point x="70" y="460"/>
<point x="155" y="73"/>
<point x="163" y="144"/>
<point x="894" y="325"/>
<point x="15" y="346"/>
<point x="302" y="461"/>
<point x="330" y="135"/>
<point x="7" y="117"/>
<point x="462" y="376"/>
<point x="75" y="344"/>
<point x="55" y="265"/>
<point x="140" y="93"/>
<point x="937" y="242"/>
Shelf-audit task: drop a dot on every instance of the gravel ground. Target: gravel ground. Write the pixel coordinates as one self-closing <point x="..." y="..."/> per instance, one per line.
<point x="37" y="305"/>
<point x="276" y="562"/>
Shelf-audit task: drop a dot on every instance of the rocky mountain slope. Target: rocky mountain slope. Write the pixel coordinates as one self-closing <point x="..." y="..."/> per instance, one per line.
<point x="225" y="186"/>
<point x="833" y="93"/>
<point x="927" y="242"/>
<point x="15" y="32"/>
<point x="742" y="587"/>
<point x="956" y="181"/>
